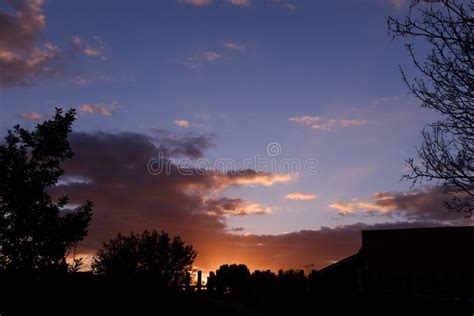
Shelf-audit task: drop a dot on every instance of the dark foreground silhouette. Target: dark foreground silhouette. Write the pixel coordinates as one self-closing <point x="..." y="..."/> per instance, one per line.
<point x="85" y="294"/>
<point x="428" y="271"/>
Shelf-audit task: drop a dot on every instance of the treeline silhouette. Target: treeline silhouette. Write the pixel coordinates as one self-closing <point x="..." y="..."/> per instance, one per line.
<point x="301" y="292"/>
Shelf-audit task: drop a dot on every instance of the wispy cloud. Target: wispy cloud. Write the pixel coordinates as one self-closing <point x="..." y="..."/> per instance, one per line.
<point x="327" y="125"/>
<point x="398" y="3"/>
<point x="235" y="206"/>
<point x="289" y="6"/>
<point x="250" y="177"/>
<point x="284" y="3"/>
<point x="199" y="59"/>
<point x="182" y="123"/>
<point x="401" y="4"/>
<point x="240" y="3"/>
<point x="203" y="116"/>
<point x="33" y="116"/>
<point x="100" y="108"/>
<point x="300" y="196"/>
<point x="91" y="48"/>
<point x="212" y="56"/>
<point x="197" y="3"/>
<point x="202" y="3"/>
<point x="365" y="206"/>
<point x="234" y="46"/>
<point x="89" y="79"/>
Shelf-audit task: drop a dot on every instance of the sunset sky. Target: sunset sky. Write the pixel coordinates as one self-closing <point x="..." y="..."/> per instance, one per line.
<point x="200" y="81"/>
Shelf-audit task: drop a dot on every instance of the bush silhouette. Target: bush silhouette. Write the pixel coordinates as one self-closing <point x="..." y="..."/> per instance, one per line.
<point x="36" y="232"/>
<point x="147" y="257"/>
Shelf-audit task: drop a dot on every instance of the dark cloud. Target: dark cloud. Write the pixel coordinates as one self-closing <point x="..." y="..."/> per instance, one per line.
<point x="19" y="32"/>
<point x="237" y="229"/>
<point x="24" y="53"/>
<point x="426" y="204"/>
<point x="111" y="171"/>
<point x="190" y="145"/>
<point x="294" y="250"/>
<point x="22" y="57"/>
<point x="127" y="197"/>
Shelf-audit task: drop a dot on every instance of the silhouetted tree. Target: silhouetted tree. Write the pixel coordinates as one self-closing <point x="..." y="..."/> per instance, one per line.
<point x="231" y="280"/>
<point x="35" y="231"/>
<point x="447" y="86"/>
<point x="150" y="256"/>
<point x="293" y="282"/>
<point x="264" y="285"/>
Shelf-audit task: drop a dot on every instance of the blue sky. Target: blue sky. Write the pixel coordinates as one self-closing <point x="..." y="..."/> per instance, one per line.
<point x="320" y="78"/>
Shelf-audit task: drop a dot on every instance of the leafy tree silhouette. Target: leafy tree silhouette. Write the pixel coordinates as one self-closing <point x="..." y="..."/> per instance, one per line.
<point x="233" y="280"/>
<point x="35" y="232"/>
<point x="147" y="257"/>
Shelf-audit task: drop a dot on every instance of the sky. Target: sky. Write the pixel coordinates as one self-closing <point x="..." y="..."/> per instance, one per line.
<point x="285" y="124"/>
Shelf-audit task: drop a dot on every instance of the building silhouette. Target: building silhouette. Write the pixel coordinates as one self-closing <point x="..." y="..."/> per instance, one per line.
<point x="421" y="262"/>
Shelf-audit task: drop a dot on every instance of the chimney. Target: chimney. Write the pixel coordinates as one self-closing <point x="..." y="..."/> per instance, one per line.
<point x="199" y="281"/>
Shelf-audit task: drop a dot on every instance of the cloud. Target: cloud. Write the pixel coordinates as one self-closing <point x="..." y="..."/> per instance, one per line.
<point x="251" y="177"/>
<point x="94" y="48"/>
<point x="24" y="53"/>
<point x="84" y="80"/>
<point x="80" y="80"/>
<point x="327" y="125"/>
<point x="234" y="46"/>
<point x="20" y="68"/>
<point x="356" y="205"/>
<point x="197" y="3"/>
<point x="212" y="56"/>
<point x="235" y="206"/>
<point x="191" y="145"/>
<point x="285" y="4"/>
<point x="399" y="3"/>
<point x="300" y="196"/>
<point x="240" y="3"/>
<point x="19" y="31"/>
<point x="33" y="116"/>
<point x="420" y="205"/>
<point x="102" y="109"/>
<point x="128" y="197"/>
<point x="199" y="59"/>
<point x="202" y="3"/>
<point x="182" y="123"/>
<point x="322" y="246"/>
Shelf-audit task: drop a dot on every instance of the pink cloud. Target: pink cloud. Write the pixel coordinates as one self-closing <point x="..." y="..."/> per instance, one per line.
<point x="327" y="125"/>
<point x="33" y="116"/>
<point x="102" y="109"/>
